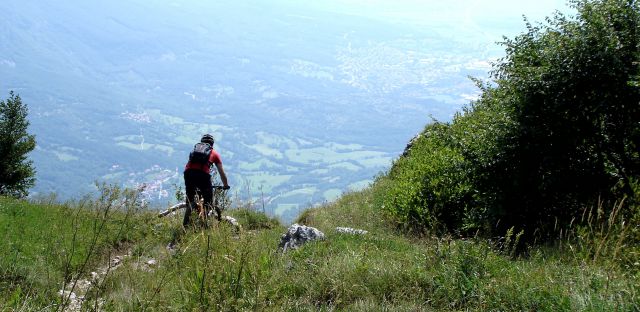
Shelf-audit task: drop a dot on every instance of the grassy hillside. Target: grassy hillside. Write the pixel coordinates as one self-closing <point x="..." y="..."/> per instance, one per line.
<point x="45" y="244"/>
<point x="217" y="269"/>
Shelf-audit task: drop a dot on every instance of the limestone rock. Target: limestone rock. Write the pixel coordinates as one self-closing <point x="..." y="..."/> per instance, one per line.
<point x="67" y="294"/>
<point x="234" y="223"/>
<point x="116" y="261"/>
<point x="348" y="230"/>
<point x="297" y="235"/>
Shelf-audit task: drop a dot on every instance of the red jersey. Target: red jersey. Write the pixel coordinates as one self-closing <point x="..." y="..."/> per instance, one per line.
<point x="214" y="158"/>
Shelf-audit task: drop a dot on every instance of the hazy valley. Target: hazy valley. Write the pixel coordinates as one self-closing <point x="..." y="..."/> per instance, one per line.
<point x="305" y="102"/>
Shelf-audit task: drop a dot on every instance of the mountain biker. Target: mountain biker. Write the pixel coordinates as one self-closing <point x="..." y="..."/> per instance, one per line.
<point x="197" y="176"/>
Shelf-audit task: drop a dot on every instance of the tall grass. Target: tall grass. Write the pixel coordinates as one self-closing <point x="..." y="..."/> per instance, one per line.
<point x="607" y="236"/>
<point x="382" y="270"/>
<point x="48" y="247"/>
<point x="217" y="268"/>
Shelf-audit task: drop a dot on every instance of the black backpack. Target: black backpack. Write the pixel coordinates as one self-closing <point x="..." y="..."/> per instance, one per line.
<point x="200" y="153"/>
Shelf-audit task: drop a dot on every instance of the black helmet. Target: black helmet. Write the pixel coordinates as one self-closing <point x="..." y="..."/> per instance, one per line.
<point x="207" y="138"/>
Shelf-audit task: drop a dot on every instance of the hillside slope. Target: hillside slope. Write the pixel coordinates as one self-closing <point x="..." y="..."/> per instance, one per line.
<point x="217" y="269"/>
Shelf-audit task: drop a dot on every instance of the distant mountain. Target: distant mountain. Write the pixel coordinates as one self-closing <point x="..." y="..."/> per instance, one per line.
<point x="305" y="102"/>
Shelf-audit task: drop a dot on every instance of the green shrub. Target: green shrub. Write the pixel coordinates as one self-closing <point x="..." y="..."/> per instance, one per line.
<point x="439" y="184"/>
<point x="557" y="130"/>
<point x="568" y="88"/>
<point x="428" y="188"/>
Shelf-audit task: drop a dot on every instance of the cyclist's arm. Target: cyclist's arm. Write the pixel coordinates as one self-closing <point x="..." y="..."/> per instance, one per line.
<point x="223" y="176"/>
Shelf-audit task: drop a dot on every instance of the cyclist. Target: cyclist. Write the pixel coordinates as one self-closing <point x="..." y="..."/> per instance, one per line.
<point x="197" y="176"/>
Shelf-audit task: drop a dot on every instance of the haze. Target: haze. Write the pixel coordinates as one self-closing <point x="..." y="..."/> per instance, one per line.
<point x="306" y="100"/>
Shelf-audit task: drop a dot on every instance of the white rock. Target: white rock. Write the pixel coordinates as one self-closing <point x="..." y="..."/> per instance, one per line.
<point x="348" y="230"/>
<point x="65" y="293"/>
<point x="233" y="222"/>
<point x="116" y="261"/>
<point x="152" y="262"/>
<point x="297" y="235"/>
<point x="83" y="285"/>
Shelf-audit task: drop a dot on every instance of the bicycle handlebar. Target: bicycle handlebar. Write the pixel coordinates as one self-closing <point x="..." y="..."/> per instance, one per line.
<point x="219" y="187"/>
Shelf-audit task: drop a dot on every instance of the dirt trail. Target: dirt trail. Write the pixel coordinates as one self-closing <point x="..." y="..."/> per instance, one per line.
<point x="75" y="291"/>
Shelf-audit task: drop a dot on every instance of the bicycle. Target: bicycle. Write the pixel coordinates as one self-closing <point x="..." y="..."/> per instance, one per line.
<point x="219" y="194"/>
<point x="219" y="198"/>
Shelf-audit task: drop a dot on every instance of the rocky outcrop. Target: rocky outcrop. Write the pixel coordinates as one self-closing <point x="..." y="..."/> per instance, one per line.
<point x="297" y="235"/>
<point x="73" y="295"/>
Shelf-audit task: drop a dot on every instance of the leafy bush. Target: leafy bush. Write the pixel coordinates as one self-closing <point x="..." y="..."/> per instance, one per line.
<point x="557" y="130"/>
<point x="438" y="185"/>
<point x="429" y="189"/>
<point x="569" y="88"/>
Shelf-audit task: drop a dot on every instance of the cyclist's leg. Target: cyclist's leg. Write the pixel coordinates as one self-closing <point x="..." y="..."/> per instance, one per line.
<point x="218" y="211"/>
<point x="190" y="190"/>
<point x="207" y="195"/>
<point x="218" y="198"/>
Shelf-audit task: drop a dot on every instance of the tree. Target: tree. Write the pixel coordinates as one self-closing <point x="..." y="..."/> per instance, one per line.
<point x="570" y="87"/>
<point x="16" y="170"/>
